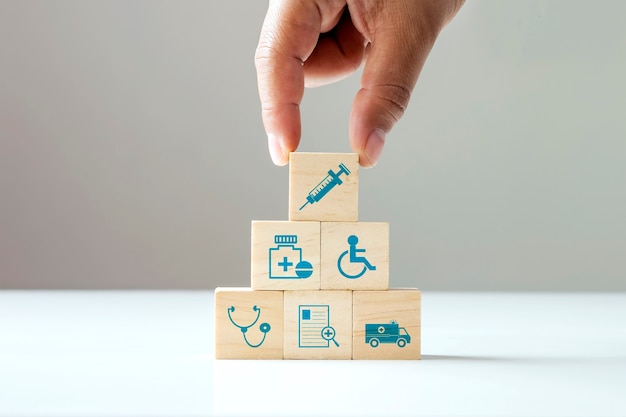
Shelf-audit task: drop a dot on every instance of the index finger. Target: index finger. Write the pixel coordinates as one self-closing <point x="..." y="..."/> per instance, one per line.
<point x="289" y="35"/>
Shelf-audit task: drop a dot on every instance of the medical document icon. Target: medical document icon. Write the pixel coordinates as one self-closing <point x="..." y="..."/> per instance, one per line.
<point x="328" y="183"/>
<point x="345" y="267"/>
<point x="314" y="329"/>
<point x="286" y="259"/>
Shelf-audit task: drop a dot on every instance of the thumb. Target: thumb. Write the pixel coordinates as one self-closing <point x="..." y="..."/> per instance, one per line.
<point x="399" y="43"/>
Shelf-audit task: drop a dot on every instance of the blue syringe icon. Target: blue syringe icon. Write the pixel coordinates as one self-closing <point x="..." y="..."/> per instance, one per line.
<point x="320" y="190"/>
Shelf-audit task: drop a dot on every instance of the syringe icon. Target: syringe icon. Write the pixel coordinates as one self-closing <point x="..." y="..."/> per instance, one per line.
<point x="320" y="190"/>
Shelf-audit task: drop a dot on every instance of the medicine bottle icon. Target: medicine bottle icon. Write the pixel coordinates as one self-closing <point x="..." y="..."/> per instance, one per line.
<point x="285" y="260"/>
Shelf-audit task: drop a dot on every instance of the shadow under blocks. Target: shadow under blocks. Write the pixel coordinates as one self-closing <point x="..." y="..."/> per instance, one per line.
<point x="320" y="280"/>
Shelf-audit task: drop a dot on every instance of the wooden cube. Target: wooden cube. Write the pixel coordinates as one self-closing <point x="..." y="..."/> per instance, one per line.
<point x="285" y="255"/>
<point x="318" y="325"/>
<point x="355" y="256"/>
<point x="323" y="186"/>
<point x="387" y="324"/>
<point x="248" y="324"/>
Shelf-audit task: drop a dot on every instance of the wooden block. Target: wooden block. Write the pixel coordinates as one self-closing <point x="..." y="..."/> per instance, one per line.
<point x="248" y="324"/>
<point x="387" y="324"/>
<point x="355" y="256"/>
<point x="323" y="186"/>
<point x="285" y="255"/>
<point x="318" y="325"/>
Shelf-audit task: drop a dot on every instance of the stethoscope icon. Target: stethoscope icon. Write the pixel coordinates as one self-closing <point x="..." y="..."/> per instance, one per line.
<point x="264" y="327"/>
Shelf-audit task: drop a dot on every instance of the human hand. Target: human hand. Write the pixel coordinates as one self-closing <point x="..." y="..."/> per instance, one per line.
<point x="315" y="42"/>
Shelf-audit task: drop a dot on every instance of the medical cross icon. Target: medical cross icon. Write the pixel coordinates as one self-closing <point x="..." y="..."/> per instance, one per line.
<point x="285" y="264"/>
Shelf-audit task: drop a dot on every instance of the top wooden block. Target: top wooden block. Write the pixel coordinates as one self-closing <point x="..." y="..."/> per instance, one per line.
<point x="324" y="187"/>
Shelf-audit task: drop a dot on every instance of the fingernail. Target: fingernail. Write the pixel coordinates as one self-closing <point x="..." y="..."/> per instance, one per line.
<point x="374" y="146"/>
<point x="276" y="150"/>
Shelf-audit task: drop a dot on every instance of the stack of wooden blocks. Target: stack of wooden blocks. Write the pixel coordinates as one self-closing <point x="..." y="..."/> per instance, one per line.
<point x="320" y="281"/>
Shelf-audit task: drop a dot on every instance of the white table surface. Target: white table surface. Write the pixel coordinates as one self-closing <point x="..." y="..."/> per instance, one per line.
<point x="151" y="354"/>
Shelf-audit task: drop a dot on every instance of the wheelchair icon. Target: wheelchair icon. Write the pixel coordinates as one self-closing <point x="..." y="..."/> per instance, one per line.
<point x="347" y="271"/>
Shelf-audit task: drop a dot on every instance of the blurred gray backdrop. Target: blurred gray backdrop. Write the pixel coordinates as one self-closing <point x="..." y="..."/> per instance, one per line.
<point x="132" y="153"/>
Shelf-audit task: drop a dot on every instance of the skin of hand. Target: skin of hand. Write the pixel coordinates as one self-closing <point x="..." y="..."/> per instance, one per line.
<point x="316" y="42"/>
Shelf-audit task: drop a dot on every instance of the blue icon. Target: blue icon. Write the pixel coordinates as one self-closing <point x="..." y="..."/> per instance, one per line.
<point x="377" y="333"/>
<point x="263" y="327"/>
<point x="328" y="333"/>
<point x="320" y="190"/>
<point x="286" y="260"/>
<point x="353" y="240"/>
<point x="314" y="329"/>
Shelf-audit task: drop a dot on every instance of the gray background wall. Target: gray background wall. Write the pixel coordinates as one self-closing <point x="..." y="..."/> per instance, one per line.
<point x="132" y="153"/>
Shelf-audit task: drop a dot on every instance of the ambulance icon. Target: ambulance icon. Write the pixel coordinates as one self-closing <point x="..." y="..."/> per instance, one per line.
<point x="285" y="260"/>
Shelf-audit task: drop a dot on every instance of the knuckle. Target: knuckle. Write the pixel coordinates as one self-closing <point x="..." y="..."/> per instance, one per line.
<point x="264" y="52"/>
<point x="395" y="98"/>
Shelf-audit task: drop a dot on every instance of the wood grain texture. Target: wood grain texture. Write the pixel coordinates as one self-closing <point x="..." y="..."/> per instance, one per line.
<point x="307" y="170"/>
<point x="379" y="309"/>
<point x="229" y="339"/>
<point x="282" y="264"/>
<point x="373" y="238"/>
<point x="307" y="316"/>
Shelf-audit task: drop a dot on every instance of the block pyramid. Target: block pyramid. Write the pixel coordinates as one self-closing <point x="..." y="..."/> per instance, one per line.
<point x="320" y="281"/>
